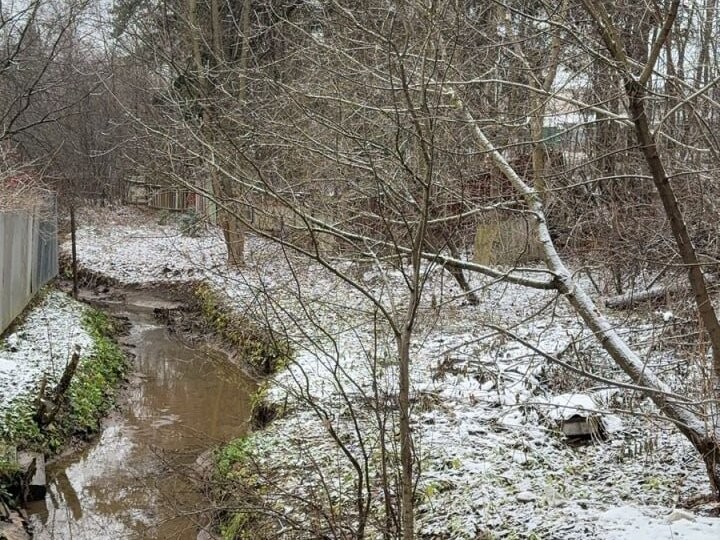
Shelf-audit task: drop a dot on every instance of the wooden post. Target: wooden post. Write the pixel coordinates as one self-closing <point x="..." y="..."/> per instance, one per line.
<point x="74" y="251"/>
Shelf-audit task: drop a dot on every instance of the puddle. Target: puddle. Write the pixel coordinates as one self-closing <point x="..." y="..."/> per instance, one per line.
<point x="132" y="482"/>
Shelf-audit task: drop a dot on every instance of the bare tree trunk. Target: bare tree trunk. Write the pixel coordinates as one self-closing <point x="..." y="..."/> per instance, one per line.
<point x="462" y="281"/>
<point x="636" y="95"/>
<point x="406" y="452"/>
<point x="42" y="416"/>
<point x="536" y="123"/>
<point x="439" y="243"/>
<point x="703" y="66"/>
<point x="233" y="231"/>
<point x="702" y="436"/>
<point x="234" y="234"/>
<point x="708" y="447"/>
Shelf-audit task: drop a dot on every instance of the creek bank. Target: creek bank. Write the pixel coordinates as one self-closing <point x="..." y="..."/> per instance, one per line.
<point x="60" y="404"/>
<point x="173" y="322"/>
<point x="195" y="313"/>
<point x="224" y="471"/>
<point x="231" y="476"/>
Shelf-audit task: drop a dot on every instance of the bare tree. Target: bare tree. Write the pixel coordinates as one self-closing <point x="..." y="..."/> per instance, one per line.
<point x="387" y="137"/>
<point x="34" y="36"/>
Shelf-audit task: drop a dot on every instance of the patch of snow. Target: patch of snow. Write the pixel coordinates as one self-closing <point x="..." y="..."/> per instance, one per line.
<point x="41" y="345"/>
<point x="565" y="406"/>
<point x="526" y="496"/>
<point x="631" y="523"/>
<point x="612" y="423"/>
<point x="677" y="515"/>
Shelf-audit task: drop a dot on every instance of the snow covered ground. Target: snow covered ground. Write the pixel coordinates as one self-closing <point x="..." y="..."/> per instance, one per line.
<point x="486" y="408"/>
<point x="41" y="344"/>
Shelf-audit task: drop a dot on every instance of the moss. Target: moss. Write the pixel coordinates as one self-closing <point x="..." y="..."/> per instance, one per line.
<point x="20" y="428"/>
<point x="92" y="392"/>
<point x="230" y="458"/>
<point x="238" y="527"/>
<point x="259" y="347"/>
<point x="229" y="471"/>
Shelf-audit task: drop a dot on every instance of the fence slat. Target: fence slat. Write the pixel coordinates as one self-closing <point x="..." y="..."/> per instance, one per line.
<point x="28" y="257"/>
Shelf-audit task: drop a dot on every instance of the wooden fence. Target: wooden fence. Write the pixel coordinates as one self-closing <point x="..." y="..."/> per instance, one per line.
<point x="28" y="256"/>
<point x="170" y="198"/>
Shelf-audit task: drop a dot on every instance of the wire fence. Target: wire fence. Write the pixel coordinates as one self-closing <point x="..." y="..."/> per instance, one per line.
<point x="28" y="255"/>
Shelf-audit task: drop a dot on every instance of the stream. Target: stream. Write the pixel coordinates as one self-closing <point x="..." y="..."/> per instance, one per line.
<point x="134" y="480"/>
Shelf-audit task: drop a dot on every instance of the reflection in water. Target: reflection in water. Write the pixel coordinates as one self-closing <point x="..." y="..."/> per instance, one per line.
<point x="133" y="482"/>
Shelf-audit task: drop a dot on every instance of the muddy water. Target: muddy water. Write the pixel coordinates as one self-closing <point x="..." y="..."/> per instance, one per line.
<point x="135" y="480"/>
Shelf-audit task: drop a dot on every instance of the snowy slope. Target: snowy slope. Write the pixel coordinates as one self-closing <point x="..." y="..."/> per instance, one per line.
<point x="41" y="344"/>
<point x="486" y="408"/>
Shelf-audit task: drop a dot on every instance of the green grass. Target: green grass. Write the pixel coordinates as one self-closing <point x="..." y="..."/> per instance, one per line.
<point x="229" y="459"/>
<point x="9" y="472"/>
<point x="234" y="478"/>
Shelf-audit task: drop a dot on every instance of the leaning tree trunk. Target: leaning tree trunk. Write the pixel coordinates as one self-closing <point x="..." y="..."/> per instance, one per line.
<point x="636" y="95"/>
<point x="706" y="440"/>
<point x="701" y="435"/>
<point x="707" y="446"/>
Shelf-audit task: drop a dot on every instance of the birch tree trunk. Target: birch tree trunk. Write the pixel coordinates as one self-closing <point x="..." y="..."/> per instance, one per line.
<point x="703" y="436"/>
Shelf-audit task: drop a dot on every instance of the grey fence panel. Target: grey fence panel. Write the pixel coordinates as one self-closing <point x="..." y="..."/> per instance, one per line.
<point x="46" y="253"/>
<point x="34" y="245"/>
<point x="5" y="311"/>
<point x="28" y="257"/>
<point x="16" y="270"/>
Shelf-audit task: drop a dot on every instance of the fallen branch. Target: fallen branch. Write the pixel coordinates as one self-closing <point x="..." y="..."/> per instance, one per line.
<point x="48" y="409"/>
<point x="629" y="299"/>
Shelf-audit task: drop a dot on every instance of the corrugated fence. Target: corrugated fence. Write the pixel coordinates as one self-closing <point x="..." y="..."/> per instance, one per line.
<point x="28" y="256"/>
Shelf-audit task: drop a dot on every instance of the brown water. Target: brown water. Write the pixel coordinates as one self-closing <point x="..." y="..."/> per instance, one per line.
<point x="136" y="480"/>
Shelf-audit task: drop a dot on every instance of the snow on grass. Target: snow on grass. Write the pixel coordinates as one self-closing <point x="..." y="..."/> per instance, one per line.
<point x="492" y="458"/>
<point x="171" y="255"/>
<point x="41" y="344"/>
<point x="626" y="522"/>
